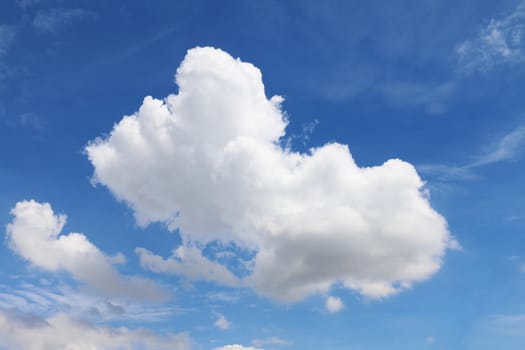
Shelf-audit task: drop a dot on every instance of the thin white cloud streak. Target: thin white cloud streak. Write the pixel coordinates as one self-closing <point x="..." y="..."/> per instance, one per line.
<point x="507" y="324"/>
<point x="209" y="161"/>
<point x="187" y="261"/>
<point x="501" y="41"/>
<point x="259" y="343"/>
<point x="35" y="234"/>
<point x="432" y="97"/>
<point x="60" y="331"/>
<point x="42" y="300"/>
<point x="55" y="20"/>
<point x="506" y="148"/>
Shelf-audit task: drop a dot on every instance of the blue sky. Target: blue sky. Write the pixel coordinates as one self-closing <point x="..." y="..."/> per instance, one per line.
<point x="305" y="175"/>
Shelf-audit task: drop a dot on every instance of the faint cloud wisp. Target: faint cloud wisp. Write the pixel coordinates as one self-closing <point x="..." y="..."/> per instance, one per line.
<point x="505" y="149"/>
<point x="500" y="41"/>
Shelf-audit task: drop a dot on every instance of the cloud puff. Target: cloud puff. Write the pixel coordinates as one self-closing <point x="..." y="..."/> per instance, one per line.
<point x="500" y="41"/>
<point x="34" y="234"/>
<point x="209" y="162"/>
<point x="188" y="262"/>
<point x="222" y="322"/>
<point x="334" y="304"/>
<point x="30" y="332"/>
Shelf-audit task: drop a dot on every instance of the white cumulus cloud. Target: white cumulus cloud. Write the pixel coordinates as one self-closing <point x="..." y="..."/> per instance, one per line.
<point x="208" y="161"/>
<point x="334" y="304"/>
<point x="30" y="332"/>
<point x="35" y="235"/>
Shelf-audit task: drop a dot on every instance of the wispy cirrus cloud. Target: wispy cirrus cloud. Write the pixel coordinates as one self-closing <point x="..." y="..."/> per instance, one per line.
<point x="20" y="330"/>
<point x="49" y="299"/>
<point x="506" y="148"/>
<point x="498" y="42"/>
<point x="432" y="97"/>
<point x="55" y="20"/>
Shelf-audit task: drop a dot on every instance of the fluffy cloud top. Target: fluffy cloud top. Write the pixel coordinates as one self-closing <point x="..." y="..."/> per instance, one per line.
<point x="29" y="332"/>
<point x="34" y="234"/>
<point x="236" y="347"/>
<point x="208" y="160"/>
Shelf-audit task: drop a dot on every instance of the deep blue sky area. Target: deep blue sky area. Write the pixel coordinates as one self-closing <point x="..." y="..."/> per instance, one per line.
<point x="437" y="84"/>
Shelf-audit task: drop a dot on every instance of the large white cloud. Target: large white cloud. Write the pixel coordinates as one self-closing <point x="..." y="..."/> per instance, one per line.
<point x="30" y="332"/>
<point x="208" y="160"/>
<point x="34" y="234"/>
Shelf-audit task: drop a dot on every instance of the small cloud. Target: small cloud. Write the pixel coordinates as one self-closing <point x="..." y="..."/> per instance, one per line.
<point x="35" y="235"/>
<point x="7" y="34"/>
<point x="432" y="97"/>
<point x="117" y="259"/>
<point x="188" y="261"/>
<point x="54" y="20"/>
<point x="222" y="322"/>
<point x="114" y="309"/>
<point x="334" y="304"/>
<point x="223" y="297"/>
<point x="430" y="340"/>
<point x="31" y="121"/>
<point x="269" y="341"/>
